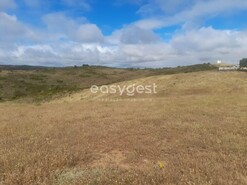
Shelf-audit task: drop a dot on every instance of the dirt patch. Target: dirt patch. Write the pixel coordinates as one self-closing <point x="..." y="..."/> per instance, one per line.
<point x="113" y="158"/>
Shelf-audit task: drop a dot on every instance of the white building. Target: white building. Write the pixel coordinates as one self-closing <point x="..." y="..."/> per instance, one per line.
<point x="228" y="68"/>
<point x="243" y="68"/>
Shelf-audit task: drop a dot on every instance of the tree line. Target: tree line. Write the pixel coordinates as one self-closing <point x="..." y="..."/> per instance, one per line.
<point x="243" y="62"/>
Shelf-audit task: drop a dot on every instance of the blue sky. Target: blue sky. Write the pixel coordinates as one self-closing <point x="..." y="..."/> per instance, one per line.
<point x="130" y="33"/>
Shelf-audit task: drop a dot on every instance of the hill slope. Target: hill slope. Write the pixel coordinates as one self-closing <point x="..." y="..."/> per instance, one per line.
<point x="185" y="84"/>
<point x="193" y="131"/>
<point x="40" y="84"/>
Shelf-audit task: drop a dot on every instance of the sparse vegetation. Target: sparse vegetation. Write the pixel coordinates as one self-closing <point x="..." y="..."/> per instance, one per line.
<point x="193" y="131"/>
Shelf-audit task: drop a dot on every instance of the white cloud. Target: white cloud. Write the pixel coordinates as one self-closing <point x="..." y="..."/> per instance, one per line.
<point x="58" y="22"/>
<point x="186" y="12"/>
<point x="205" y="39"/>
<point x="88" y="33"/>
<point x="150" y="23"/>
<point x="155" y="7"/>
<point x="7" y="4"/>
<point x="61" y="54"/>
<point x="13" y="30"/>
<point x="133" y="35"/>
<point x="186" y="48"/>
<point x="210" y="44"/>
<point x="82" y="4"/>
<point x="78" y="30"/>
<point x="66" y="41"/>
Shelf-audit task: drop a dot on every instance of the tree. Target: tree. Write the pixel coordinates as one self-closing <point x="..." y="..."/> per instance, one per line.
<point x="243" y="62"/>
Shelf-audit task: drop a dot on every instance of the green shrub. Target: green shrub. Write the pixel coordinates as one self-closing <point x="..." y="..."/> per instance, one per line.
<point x="243" y="62"/>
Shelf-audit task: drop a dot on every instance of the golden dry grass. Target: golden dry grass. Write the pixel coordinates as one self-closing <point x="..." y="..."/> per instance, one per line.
<point x="193" y="131"/>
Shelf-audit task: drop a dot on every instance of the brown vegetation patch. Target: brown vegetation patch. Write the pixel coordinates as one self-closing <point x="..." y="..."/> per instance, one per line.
<point x="174" y="139"/>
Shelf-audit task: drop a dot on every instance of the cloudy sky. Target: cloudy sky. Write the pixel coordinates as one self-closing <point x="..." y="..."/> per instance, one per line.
<point x="122" y="33"/>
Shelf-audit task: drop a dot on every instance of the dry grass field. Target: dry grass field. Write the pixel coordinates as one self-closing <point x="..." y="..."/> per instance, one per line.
<point x="193" y="131"/>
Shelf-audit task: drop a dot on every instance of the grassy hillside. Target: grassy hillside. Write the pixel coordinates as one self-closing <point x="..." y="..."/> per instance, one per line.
<point x="39" y="83"/>
<point x="193" y="131"/>
<point x="210" y="83"/>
